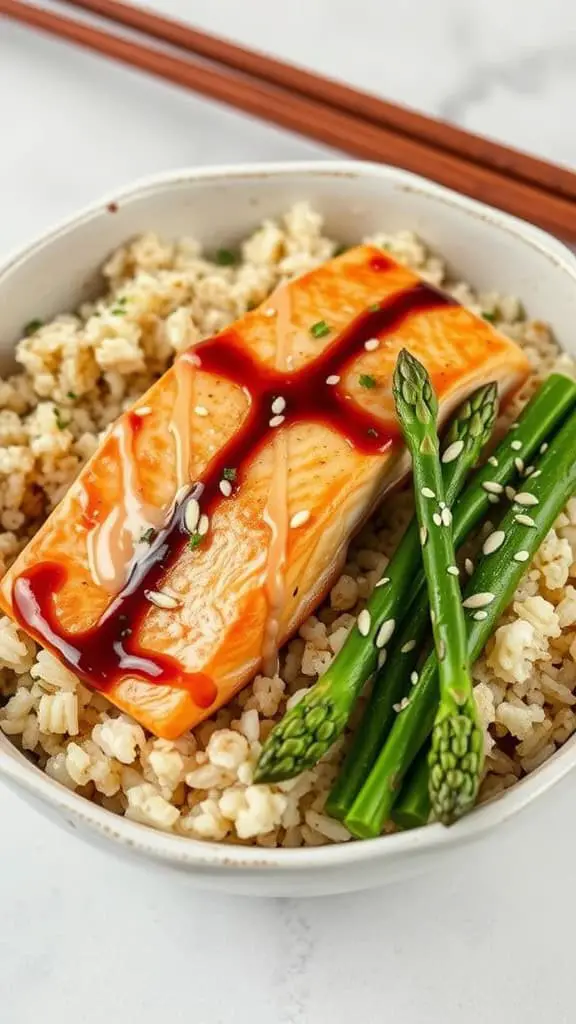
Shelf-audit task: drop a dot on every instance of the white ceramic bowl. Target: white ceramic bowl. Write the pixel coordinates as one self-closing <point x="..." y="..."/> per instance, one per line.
<point x="220" y="206"/>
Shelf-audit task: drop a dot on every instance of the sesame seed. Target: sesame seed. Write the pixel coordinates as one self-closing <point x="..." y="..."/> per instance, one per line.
<point x="371" y="345"/>
<point x="333" y="379"/>
<point x="270" y="311"/>
<point x="543" y="448"/>
<point x="453" y="451"/>
<point x="201" y="410"/>
<point x="493" y="542"/>
<point x="519" y="463"/>
<point x="161" y="599"/>
<point x="522" y="556"/>
<point x="446" y="517"/>
<point x="299" y="518"/>
<point x="413" y="678"/>
<point x="382" y="658"/>
<point x="525" y="498"/>
<point x="191" y="515"/>
<point x="510" y="493"/>
<point x="480" y="616"/>
<point x="493" y="461"/>
<point x="524" y="519"/>
<point x="383" y="581"/>
<point x="385" y="632"/>
<point x="225" y="488"/>
<point x="514" y="426"/>
<point x="469" y="566"/>
<point x="493" y="499"/>
<point x="423" y="535"/>
<point x="532" y="472"/>
<point x="403" y="704"/>
<point x="516" y="445"/>
<point x="364" y="622"/>
<point x="144" y="411"/>
<point x="441" y="650"/>
<point x="203" y="524"/>
<point x="276" y="421"/>
<point x="453" y="570"/>
<point x="441" y="504"/>
<point x="278" y="405"/>
<point x="478" y="600"/>
<point x="427" y="493"/>
<point x="408" y="646"/>
<point x="492" y="487"/>
<point x="437" y="519"/>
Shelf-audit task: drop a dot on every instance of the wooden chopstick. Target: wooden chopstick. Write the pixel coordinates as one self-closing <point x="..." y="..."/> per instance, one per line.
<point x="316" y="120"/>
<point x="340" y="97"/>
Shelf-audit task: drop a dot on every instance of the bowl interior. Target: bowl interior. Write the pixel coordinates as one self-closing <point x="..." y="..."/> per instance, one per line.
<point x="220" y="207"/>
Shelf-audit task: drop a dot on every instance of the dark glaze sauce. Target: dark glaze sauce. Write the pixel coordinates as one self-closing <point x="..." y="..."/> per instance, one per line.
<point x="109" y="651"/>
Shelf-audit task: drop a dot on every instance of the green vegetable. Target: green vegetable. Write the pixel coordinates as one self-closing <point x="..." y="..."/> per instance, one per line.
<point x="374" y="308"/>
<point x="195" y="540"/>
<point x="339" y="687"/>
<point x="229" y="474"/>
<point x="486" y="597"/>
<point x="32" y="326"/>
<point x="413" y="808"/>
<point x="148" y="535"/>
<point x="550" y="404"/>
<point x="320" y="329"/>
<point x="456" y="756"/>
<point x="226" y="257"/>
<point x="71" y="395"/>
<point x="60" y="423"/>
<point x="366" y="380"/>
<point x="490" y="317"/>
<point x="469" y="431"/>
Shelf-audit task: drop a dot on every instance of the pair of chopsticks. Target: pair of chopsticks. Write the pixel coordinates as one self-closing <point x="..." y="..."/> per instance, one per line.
<point x="349" y="120"/>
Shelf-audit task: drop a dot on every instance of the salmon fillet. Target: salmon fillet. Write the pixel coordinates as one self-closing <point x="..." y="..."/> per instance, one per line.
<point x="217" y="511"/>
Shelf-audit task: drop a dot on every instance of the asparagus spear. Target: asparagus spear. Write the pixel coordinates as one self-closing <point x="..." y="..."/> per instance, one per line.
<point x="413" y="808"/>
<point x="521" y="532"/>
<point x="457" y="741"/>
<point x="550" y="404"/>
<point x="309" y="729"/>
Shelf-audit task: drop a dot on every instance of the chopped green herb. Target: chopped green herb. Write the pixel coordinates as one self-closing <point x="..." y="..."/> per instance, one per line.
<point x="320" y="329"/>
<point x="60" y="423"/>
<point x="250" y="305"/>
<point x="340" y="249"/>
<point x="32" y="326"/>
<point x="490" y="317"/>
<point x="366" y="380"/>
<point x="229" y="474"/>
<point x="71" y="395"/>
<point x="195" y="540"/>
<point x="374" y="308"/>
<point x="122" y="300"/>
<point x="226" y="258"/>
<point x="148" y="535"/>
<point x="118" y="311"/>
<point x="372" y="432"/>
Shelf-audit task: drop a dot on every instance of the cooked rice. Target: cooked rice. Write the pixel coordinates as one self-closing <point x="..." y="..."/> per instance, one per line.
<point x="79" y="372"/>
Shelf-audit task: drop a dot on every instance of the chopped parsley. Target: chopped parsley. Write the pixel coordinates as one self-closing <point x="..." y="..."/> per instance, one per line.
<point x="118" y="311"/>
<point x="60" y="423"/>
<point x="374" y="308"/>
<point x="320" y="329"/>
<point x="372" y="432"/>
<point x="226" y="257"/>
<point x="490" y="317"/>
<point x="32" y="326"/>
<point x="366" y="380"/>
<point x="340" y="249"/>
<point x="229" y="474"/>
<point x="195" y="540"/>
<point x="71" y="395"/>
<point x="148" y="535"/>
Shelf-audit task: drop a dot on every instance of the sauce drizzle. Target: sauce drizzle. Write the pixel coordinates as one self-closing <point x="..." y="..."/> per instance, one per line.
<point x="109" y="652"/>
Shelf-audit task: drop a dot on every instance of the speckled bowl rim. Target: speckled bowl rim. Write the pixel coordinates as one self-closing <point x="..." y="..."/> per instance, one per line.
<point x="223" y="858"/>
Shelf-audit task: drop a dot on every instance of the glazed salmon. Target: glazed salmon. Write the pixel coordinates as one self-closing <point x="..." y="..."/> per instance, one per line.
<point x="217" y="511"/>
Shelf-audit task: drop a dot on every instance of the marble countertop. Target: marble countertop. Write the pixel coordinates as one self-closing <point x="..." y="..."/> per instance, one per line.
<point x="85" y="939"/>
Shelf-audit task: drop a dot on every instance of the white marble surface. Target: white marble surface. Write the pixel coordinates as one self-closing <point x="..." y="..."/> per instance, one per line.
<point x="84" y="939"/>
